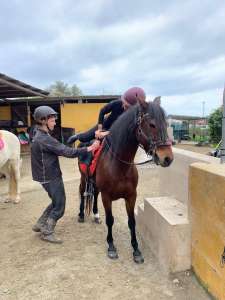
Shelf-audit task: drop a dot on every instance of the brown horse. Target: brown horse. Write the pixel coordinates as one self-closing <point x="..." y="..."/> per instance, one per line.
<point x="116" y="174"/>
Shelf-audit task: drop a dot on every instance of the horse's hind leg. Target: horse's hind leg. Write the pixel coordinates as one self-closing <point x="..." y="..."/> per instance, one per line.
<point x="112" y="252"/>
<point x="130" y="204"/>
<point x="95" y="206"/>
<point x="81" y="193"/>
<point x="14" y="177"/>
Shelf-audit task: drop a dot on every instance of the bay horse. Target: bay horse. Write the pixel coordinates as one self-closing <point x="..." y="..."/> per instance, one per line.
<point x="10" y="163"/>
<point x="116" y="174"/>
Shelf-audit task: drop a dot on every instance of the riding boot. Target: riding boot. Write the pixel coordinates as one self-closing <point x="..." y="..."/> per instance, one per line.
<point x="73" y="139"/>
<point x="40" y="223"/>
<point x="48" y="232"/>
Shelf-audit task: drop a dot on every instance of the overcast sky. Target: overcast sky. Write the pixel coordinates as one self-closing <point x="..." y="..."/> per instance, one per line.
<point x="174" y="48"/>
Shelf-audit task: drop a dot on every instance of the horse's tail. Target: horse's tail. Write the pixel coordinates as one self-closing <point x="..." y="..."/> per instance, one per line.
<point x="89" y="195"/>
<point x="88" y="206"/>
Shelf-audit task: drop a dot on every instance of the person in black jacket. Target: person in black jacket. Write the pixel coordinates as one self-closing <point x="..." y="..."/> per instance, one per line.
<point x="46" y="169"/>
<point x="113" y="110"/>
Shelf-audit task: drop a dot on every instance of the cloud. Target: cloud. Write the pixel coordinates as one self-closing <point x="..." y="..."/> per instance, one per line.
<point x="171" y="48"/>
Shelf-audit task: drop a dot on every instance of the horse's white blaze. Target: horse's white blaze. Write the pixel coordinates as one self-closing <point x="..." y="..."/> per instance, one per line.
<point x="10" y="163"/>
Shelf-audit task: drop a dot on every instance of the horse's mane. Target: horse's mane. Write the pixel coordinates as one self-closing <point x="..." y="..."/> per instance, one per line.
<point x="122" y="131"/>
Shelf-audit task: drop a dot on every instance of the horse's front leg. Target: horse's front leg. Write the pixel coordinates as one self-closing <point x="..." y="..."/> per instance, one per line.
<point x="112" y="252"/>
<point x="95" y="206"/>
<point x="130" y="204"/>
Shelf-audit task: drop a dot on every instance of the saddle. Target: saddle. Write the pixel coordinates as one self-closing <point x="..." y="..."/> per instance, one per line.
<point x="88" y="161"/>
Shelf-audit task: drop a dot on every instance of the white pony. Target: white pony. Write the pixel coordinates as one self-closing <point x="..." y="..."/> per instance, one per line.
<point x="10" y="163"/>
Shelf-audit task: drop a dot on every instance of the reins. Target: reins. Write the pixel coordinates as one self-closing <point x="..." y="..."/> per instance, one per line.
<point x="124" y="161"/>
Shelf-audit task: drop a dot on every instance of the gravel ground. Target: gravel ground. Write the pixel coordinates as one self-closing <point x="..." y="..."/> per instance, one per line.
<point x="79" y="268"/>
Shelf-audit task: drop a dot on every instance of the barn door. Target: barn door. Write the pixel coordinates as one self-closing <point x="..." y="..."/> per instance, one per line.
<point x="19" y="115"/>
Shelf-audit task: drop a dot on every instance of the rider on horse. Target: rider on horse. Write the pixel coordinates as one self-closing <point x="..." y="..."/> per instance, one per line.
<point x="115" y="108"/>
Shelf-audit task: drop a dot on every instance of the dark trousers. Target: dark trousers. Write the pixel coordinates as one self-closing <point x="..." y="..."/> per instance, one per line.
<point x="56" y="192"/>
<point x="89" y="135"/>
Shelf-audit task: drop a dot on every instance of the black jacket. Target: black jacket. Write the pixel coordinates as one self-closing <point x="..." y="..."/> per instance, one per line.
<point x="44" y="156"/>
<point x="115" y="108"/>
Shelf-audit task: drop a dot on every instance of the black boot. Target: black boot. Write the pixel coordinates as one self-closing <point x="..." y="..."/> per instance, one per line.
<point x="40" y="223"/>
<point x="48" y="232"/>
<point x="73" y="139"/>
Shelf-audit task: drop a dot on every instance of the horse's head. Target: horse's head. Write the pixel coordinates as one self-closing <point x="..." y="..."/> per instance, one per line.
<point x="152" y="132"/>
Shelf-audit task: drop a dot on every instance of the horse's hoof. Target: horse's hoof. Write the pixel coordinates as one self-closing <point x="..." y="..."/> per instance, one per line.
<point x="16" y="201"/>
<point x="7" y="200"/>
<point x="80" y="219"/>
<point x="97" y="220"/>
<point x="112" y="253"/>
<point x="138" y="258"/>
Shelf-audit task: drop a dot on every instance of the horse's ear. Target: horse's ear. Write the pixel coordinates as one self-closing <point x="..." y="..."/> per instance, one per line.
<point x="143" y="104"/>
<point x="157" y="100"/>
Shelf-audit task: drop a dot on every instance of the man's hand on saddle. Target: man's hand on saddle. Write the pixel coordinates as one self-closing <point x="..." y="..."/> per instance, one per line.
<point x="94" y="146"/>
<point x="100" y="134"/>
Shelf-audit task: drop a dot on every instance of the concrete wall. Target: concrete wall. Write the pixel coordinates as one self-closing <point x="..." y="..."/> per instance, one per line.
<point x="80" y="116"/>
<point x="207" y="196"/>
<point x="173" y="181"/>
<point x="174" y="197"/>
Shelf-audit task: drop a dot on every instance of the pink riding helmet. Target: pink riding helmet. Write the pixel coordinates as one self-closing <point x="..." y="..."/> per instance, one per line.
<point x="134" y="95"/>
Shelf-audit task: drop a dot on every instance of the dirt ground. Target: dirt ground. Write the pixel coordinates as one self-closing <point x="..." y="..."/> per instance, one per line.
<point x="79" y="268"/>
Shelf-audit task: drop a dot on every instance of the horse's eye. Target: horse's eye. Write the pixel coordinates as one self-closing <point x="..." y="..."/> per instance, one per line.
<point x="152" y="125"/>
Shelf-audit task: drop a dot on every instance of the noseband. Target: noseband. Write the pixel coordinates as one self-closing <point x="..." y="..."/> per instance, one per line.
<point x="151" y="142"/>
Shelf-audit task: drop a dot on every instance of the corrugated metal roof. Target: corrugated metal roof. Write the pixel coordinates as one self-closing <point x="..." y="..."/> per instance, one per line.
<point x="185" y="118"/>
<point x="12" y="88"/>
<point x="69" y="99"/>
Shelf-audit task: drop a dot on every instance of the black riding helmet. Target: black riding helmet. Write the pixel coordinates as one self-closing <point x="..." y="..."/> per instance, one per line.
<point x="43" y="112"/>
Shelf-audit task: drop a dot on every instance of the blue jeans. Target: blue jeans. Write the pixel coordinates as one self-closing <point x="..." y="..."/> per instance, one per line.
<point x="56" y="192"/>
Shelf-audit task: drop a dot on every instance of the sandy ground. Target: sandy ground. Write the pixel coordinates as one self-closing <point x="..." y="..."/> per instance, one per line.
<point x="80" y="269"/>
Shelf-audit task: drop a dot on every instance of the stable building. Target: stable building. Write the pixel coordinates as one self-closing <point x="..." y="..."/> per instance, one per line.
<point x="19" y="100"/>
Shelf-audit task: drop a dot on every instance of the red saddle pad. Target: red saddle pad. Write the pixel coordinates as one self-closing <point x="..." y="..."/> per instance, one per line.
<point x="89" y="170"/>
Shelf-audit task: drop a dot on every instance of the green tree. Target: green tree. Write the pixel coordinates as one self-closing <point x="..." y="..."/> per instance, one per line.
<point x="75" y="91"/>
<point x="59" y="88"/>
<point x="215" y="125"/>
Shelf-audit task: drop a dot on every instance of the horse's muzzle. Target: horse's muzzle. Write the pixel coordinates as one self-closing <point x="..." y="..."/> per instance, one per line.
<point x="166" y="162"/>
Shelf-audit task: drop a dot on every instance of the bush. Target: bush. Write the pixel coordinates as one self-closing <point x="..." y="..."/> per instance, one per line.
<point x="215" y="125"/>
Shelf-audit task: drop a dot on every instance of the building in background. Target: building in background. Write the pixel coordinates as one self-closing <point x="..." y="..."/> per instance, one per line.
<point x="19" y="100"/>
<point x="189" y="127"/>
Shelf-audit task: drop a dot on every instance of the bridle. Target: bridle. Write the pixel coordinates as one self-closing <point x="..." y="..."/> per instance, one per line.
<point x="141" y="135"/>
<point x="124" y="161"/>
